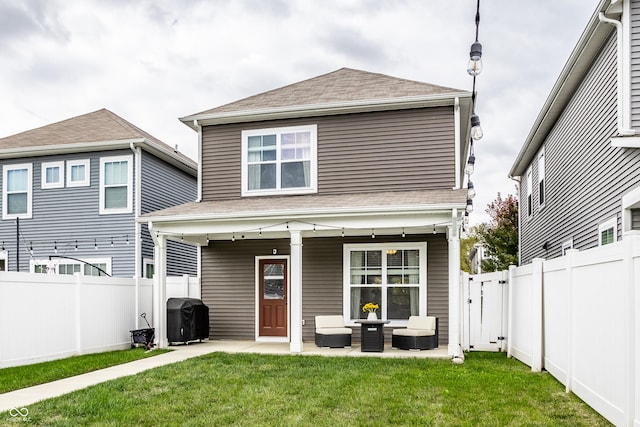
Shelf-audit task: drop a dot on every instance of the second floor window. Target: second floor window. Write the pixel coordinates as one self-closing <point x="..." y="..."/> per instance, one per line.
<point x="529" y="193"/>
<point x="116" y="185"/>
<point x="16" y="191"/>
<point x="279" y="161"/>
<point x="541" y="172"/>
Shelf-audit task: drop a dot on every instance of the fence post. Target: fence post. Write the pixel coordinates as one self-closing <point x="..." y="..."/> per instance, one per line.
<point x="78" y="311"/>
<point x="537" y="355"/>
<point x="631" y="242"/>
<point x="510" y="283"/>
<point x="570" y="258"/>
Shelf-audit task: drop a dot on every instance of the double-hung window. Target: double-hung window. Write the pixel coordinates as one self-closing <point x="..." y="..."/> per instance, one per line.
<point x="279" y="161"/>
<point x="541" y="172"/>
<point x="17" y="191"/>
<point x="116" y="184"/>
<point x="394" y="276"/>
<point x="529" y="194"/>
<point x="52" y="175"/>
<point x="608" y="231"/>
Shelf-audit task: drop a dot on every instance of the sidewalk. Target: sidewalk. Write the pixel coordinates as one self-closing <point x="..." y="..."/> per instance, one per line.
<point x="24" y="397"/>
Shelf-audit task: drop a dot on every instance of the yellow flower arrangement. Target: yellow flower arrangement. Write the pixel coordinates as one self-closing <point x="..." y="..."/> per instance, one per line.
<point x="370" y="307"/>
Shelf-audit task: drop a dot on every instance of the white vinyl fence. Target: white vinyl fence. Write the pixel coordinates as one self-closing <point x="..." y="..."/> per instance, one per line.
<point x="578" y="317"/>
<point x="45" y="317"/>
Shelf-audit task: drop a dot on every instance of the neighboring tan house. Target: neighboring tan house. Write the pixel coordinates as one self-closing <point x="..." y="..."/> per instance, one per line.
<point x="71" y="193"/>
<point x="318" y="197"/>
<point x="579" y="168"/>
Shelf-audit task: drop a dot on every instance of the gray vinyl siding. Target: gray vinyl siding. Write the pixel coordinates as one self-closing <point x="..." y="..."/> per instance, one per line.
<point x="585" y="176"/>
<point x="635" y="64"/>
<point x="163" y="186"/>
<point x="228" y="282"/>
<point x="62" y="216"/>
<point x="380" y="151"/>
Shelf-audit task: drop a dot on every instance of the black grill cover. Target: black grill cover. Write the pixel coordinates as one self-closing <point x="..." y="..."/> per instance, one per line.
<point x="187" y="320"/>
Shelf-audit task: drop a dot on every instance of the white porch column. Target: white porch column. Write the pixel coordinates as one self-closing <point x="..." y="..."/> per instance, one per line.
<point x="295" y="284"/>
<point x="454" y="349"/>
<point x="160" y="291"/>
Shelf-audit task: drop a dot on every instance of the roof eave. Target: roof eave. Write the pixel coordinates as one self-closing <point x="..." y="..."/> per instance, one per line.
<point x="359" y="106"/>
<point x="571" y="76"/>
<point x="307" y="213"/>
<point x="185" y="164"/>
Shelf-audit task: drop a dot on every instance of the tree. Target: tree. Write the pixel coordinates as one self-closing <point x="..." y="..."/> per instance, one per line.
<point x="466" y="245"/>
<point x="500" y="236"/>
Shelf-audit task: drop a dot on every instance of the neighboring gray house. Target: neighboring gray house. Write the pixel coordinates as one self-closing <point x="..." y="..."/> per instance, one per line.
<point x="72" y="191"/>
<point x="579" y="168"/>
<point x="318" y="197"/>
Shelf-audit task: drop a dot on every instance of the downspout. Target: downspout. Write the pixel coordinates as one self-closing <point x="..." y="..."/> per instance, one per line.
<point x="137" y="159"/>
<point x="623" y="130"/>
<point x="456" y="133"/>
<point x="517" y="179"/>
<point x="199" y="183"/>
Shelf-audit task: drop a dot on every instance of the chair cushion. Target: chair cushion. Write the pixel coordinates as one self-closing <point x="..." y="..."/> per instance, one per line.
<point x="414" y="332"/>
<point x="333" y="331"/>
<point x="422" y="322"/>
<point x="330" y="321"/>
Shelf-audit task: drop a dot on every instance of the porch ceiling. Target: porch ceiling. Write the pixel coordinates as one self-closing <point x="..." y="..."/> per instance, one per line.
<point x="316" y="215"/>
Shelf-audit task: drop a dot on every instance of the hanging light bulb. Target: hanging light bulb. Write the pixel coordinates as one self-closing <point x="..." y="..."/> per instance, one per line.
<point x="31" y="248"/>
<point x="342" y="233"/>
<point x="76" y="248"/>
<point x="476" y="130"/>
<point x="112" y="242"/>
<point x="127" y="239"/>
<point x="470" y="165"/>
<point x="434" y="229"/>
<point x="55" y="247"/>
<point x="373" y="234"/>
<point x="469" y="208"/>
<point x="403" y="235"/>
<point x="233" y="237"/>
<point x="471" y="192"/>
<point x="95" y="244"/>
<point x="475" y="59"/>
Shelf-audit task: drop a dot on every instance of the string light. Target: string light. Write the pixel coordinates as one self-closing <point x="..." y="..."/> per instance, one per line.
<point x="76" y="248"/>
<point x="55" y="247"/>
<point x="342" y="233"/>
<point x="112" y="242"/>
<point x="373" y="234"/>
<point x="403" y="235"/>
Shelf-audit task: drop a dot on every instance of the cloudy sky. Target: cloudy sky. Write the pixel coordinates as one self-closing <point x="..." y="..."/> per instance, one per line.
<point x="152" y="61"/>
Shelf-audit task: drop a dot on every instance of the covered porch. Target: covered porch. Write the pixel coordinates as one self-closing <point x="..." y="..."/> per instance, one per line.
<point x="277" y="228"/>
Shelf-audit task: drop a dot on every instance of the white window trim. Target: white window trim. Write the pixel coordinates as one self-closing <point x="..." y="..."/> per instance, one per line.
<point x="542" y="178"/>
<point x="529" y="193"/>
<point x="4" y="255"/>
<point x="129" y="208"/>
<point x="346" y="280"/>
<point x="610" y="223"/>
<point x="5" y="207"/>
<point x="57" y="261"/>
<point x="567" y="245"/>
<point x="313" y="185"/>
<point x="87" y="168"/>
<point x="43" y="176"/>
<point x="630" y="201"/>
<point x="145" y="263"/>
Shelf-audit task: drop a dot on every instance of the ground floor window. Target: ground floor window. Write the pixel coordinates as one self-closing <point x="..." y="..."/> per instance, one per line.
<point x="607" y="231"/>
<point x="88" y="267"/>
<point x="391" y="275"/>
<point x="148" y="268"/>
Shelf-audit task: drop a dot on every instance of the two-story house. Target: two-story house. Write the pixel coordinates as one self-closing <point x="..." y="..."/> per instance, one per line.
<point x="71" y="193"/>
<point x="579" y="168"/>
<point x="318" y="197"/>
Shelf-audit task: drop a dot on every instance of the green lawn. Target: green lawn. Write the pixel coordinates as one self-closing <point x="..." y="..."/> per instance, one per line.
<point x="39" y="373"/>
<point x="266" y="390"/>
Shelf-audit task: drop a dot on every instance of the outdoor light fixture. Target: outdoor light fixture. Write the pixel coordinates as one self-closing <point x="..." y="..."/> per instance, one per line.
<point x="470" y="165"/>
<point x="475" y="59"/>
<point x="471" y="192"/>
<point x="476" y="130"/>
<point x="469" y="208"/>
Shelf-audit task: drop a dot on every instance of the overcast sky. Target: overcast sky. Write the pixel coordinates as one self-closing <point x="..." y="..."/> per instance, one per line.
<point x="152" y="61"/>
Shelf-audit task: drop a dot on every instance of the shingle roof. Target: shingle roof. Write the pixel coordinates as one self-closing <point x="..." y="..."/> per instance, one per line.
<point x="335" y="203"/>
<point x="98" y="126"/>
<point x="343" y="85"/>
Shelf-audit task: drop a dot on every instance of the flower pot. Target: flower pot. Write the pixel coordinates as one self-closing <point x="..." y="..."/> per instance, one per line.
<point x="372" y="316"/>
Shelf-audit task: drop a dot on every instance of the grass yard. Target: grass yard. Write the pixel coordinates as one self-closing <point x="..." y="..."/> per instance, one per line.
<point x="29" y="375"/>
<point x="266" y="390"/>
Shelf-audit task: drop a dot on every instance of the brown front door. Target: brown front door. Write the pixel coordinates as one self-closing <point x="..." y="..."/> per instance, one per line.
<point x="273" y="297"/>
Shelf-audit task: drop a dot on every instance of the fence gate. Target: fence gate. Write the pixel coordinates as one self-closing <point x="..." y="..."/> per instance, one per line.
<point x="485" y="314"/>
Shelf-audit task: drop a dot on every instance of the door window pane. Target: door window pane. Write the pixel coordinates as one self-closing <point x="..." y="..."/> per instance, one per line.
<point x="273" y="276"/>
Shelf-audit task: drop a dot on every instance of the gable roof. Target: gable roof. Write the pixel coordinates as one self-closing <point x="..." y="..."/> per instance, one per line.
<point x="342" y="91"/>
<point x="93" y="131"/>
<point x="574" y="71"/>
